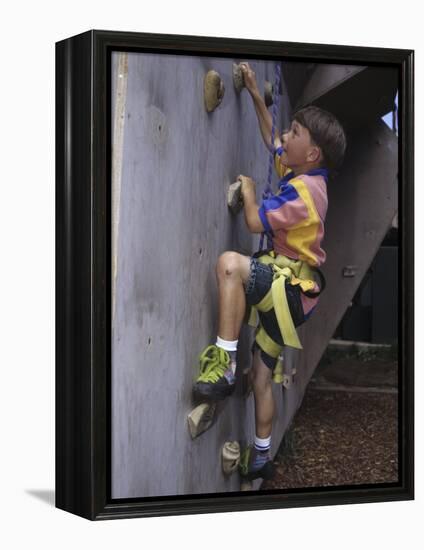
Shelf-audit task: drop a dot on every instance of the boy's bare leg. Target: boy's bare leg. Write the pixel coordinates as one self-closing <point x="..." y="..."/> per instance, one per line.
<point x="264" y="399"/>
<point x="232" y="271"/>
<point x="218" y="381"/>
<point x="259" y="459"/>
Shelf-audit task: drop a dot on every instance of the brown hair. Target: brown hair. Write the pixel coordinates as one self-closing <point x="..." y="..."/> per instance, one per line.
<point x="326" y="132"/>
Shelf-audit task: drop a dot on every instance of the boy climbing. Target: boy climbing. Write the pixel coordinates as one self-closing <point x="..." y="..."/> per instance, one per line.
<point x="281" y="284"/>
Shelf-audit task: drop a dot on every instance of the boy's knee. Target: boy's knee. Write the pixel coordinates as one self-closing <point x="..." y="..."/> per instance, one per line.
<point x="228" y="264"/>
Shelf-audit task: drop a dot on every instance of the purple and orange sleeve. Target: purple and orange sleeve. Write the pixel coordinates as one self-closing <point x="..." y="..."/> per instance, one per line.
<point x="283" y="211"/>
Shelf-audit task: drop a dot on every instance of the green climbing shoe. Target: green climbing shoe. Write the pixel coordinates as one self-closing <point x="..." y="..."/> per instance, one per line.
<point x="216" y="380"/>
<point x="252" y="465"/>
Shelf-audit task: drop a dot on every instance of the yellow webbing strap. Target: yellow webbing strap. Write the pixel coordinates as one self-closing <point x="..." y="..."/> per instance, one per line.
<point x="274" y="350"/>
<point x="266" y="304"/>
<point x="278" y="373"/>
<point x="304" y="285"/>
<point x="267" y="343"/>
<point x="298" y="273"/>
<point x="281" y="307"/>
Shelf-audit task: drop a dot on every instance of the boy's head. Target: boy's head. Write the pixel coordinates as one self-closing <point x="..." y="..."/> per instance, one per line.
<point x="315" y="139"/>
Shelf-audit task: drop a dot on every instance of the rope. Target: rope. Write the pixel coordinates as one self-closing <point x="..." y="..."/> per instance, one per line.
<point x="268" y="189"/>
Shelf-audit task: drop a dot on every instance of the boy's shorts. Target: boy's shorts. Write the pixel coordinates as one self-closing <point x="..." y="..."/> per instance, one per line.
<point x="258" y="284"/>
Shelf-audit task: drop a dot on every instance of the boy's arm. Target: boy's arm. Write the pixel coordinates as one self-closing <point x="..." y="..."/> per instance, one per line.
<point x="251" y="209"/>
<point x="264" y="116"/>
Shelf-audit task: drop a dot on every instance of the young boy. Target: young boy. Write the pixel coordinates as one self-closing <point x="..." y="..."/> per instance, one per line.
<point x="282" y="284"/>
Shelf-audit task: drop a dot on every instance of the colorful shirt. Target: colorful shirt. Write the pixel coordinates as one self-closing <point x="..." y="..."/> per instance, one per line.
<point x="295" y="218"/>
<point x="295" y="215"/>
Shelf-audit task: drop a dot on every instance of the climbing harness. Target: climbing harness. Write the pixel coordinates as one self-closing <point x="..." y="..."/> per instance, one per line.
<point x="297" y="273"/>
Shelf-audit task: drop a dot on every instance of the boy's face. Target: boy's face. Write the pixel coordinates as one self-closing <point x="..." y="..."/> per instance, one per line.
<point x="299" y="150"/>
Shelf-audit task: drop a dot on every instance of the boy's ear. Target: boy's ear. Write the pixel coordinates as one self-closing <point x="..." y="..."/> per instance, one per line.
<point x="314" y="154"/>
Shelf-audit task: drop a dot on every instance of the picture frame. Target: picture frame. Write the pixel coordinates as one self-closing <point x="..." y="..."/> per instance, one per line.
<point x="84" y="282"/>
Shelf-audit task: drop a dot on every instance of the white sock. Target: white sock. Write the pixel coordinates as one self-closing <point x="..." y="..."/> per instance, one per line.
<point x="228" y="345"/>
<point x="231" y="347"/>
<point x="262" y="444"/>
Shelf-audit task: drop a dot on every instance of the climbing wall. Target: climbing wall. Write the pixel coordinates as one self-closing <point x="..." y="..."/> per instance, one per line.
<point x="172" y="164"/>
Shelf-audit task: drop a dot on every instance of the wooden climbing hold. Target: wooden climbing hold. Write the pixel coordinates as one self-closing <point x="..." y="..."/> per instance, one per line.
<point x="238" y="78"/>
<point x="268" y="93"/>
<point x="201" y="418"/>
<point x="213" y="90"/>
<point x="234" y="199"/>
<point x="288" y="378"/>
<point x="230" y="457"/>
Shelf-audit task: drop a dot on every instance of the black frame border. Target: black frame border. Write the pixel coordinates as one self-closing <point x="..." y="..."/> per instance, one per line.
<point x="83" y="266"/>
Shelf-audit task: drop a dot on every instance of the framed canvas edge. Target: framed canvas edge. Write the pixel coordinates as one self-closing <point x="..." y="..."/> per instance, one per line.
<point x="82" y="286"/>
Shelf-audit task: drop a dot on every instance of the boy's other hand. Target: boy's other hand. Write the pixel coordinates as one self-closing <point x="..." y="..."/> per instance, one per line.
<point x="248" y="187"/>
<point x="249" y="77"/>
<point x="251" y="209"/>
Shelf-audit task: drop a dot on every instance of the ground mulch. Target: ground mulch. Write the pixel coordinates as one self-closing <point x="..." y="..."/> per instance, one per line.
<point x="339" y="438"/>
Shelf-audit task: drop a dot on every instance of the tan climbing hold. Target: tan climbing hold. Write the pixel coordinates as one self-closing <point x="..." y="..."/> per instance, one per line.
<point x="201" y="418"/>
<point x="289" y="378"/>
<point x="268" y="93"/>
<point x="230" y="457"/>
<point x="234" y="199"/>
<point x="238" y="78"/>
<point x="213" y="90"/>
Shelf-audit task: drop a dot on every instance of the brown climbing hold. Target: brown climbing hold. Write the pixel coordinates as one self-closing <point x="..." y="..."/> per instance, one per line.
<point x="234" y="198"/>
<point x="230" y="457"/>
<point x="213" y="90"/>
<point x="238" y="78"/>
<point x="201" y="418"/>
<point x="268" y="92"/>
<point x="288" y="378"/>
